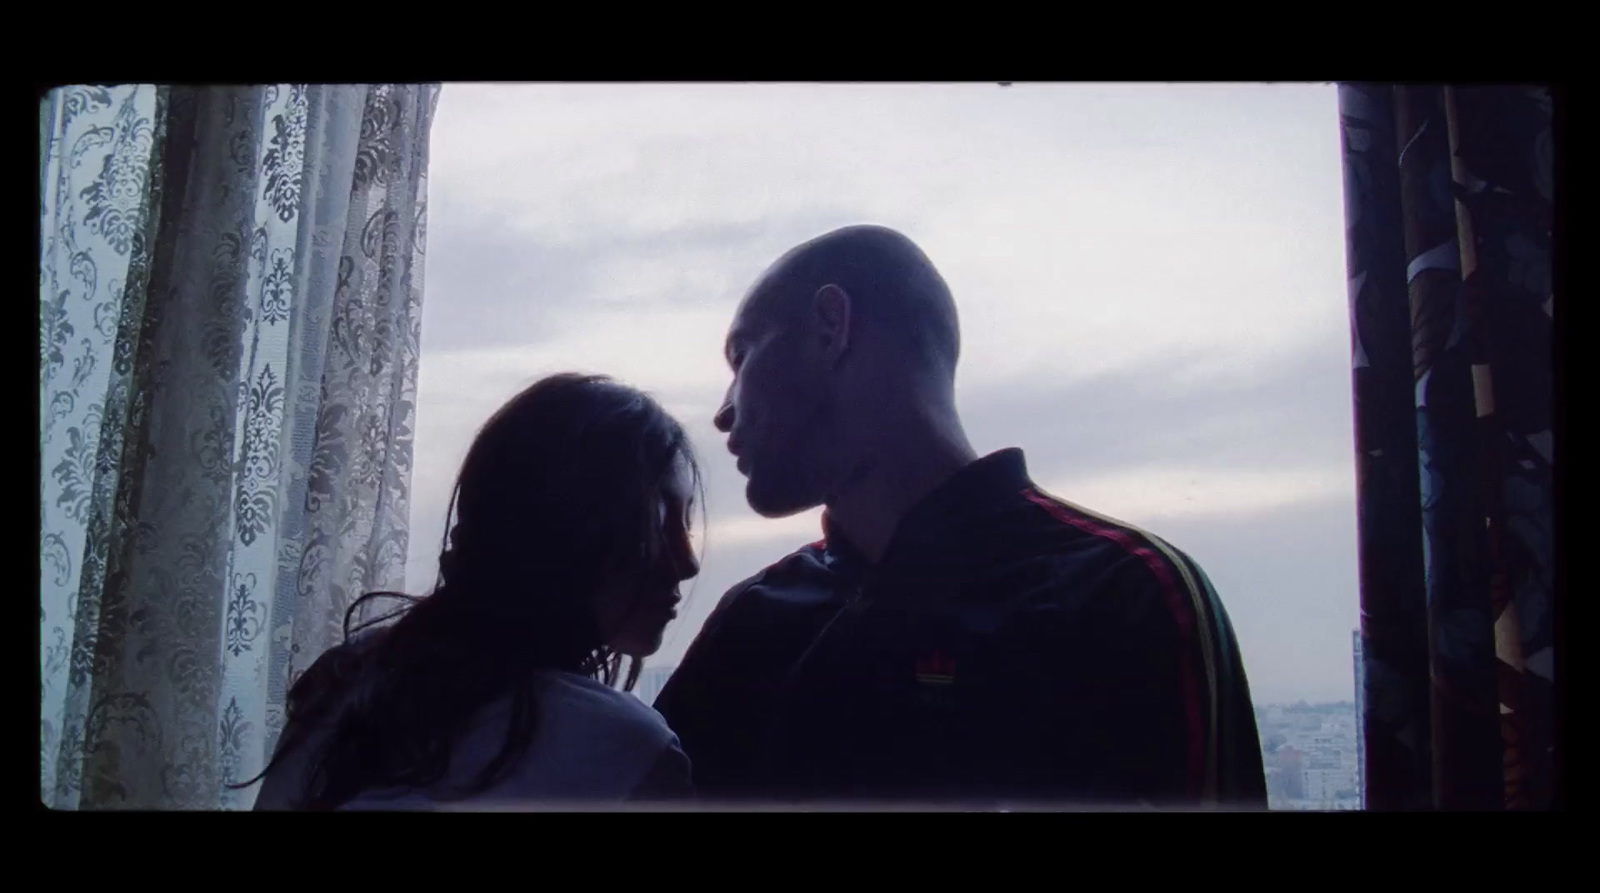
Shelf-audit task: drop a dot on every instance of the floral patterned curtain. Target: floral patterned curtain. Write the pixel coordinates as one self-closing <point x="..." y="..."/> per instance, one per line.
<point x="230" y="294"/>
<point x="1448" y="207"/>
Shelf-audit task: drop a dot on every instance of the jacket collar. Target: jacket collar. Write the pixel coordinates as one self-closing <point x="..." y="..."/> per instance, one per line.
<point x="941" y="524"/>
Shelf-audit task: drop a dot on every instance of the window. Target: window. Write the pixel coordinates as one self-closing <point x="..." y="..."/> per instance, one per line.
<point x="1150" y="280"/>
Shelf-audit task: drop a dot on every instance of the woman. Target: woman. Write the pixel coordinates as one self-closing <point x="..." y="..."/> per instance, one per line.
<point x="499" y="688"/>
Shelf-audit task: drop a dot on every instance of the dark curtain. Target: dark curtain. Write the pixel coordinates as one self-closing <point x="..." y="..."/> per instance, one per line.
<point x="1448" y="213"/>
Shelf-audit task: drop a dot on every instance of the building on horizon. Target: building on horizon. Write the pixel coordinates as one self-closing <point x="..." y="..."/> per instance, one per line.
<point x="1309" y="753"/>
<point x="1361" y="715"/>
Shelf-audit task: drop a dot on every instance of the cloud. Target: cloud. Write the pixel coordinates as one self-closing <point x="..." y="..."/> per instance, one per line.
<point x="1150" y="280"/>
<point x="745" y="529"/>
<point x="1288" y="578"/>
<point x="1161" y="492"/>
<point x="657" y="349"/>
<point x="483" y="285"/>
<point x="1282" y="415"/>
<point x="1079" y="232"/>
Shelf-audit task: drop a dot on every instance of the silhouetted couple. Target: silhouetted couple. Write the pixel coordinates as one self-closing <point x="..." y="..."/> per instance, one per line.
<point x="957" y="637"/>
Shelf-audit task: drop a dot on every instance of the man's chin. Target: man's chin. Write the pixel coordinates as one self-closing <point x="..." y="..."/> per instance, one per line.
<point x="774" y="506"/>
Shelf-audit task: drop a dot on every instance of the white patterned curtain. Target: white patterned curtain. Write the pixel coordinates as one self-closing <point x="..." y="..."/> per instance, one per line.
<point x="230" y="294"/>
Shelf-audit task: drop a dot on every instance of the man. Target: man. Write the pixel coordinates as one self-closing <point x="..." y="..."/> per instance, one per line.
<point x="958" y="636"/>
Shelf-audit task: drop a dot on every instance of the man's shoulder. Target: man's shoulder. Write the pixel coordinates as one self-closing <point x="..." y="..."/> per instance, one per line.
<point x="804" y="563"/>
<point x="1085" y="534"/>
<point x="780" y="607"/>
<point x="1089" y="555"/>
<point x="802" y="571"/>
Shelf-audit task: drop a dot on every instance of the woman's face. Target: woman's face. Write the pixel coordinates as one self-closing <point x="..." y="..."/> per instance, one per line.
<point x="634" y="607"/>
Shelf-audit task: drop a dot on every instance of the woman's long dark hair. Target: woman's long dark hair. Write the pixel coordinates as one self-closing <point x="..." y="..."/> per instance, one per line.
<point x="560" y="488"/>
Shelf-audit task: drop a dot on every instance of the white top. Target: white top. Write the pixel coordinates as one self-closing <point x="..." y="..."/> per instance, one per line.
<point x="591" y="743"/>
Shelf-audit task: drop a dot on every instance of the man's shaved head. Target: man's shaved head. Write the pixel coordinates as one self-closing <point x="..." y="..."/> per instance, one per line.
<point x="895" y="292"/>
<point x="846" y="340"/>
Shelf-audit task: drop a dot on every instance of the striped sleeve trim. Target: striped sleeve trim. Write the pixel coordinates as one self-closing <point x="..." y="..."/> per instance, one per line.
<point x="1186" y="598"/>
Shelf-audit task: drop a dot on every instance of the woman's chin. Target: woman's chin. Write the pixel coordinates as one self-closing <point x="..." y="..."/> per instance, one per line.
<point x="639" y="649"/>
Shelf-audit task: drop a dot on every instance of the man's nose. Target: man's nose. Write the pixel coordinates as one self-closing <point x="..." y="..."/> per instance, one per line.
<point x="724" y="417"/>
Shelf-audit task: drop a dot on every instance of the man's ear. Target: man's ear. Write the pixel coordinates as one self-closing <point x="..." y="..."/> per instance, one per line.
<point x="833" y="316"/>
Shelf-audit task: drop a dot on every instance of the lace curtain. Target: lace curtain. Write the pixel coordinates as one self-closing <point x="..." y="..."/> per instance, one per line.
<point x="230" y="298"/>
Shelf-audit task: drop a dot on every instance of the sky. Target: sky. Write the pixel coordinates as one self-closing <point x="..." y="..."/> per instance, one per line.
<point x="1150" y="281"/>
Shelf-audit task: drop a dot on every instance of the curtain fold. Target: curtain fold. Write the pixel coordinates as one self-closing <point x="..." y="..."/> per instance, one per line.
<point x="231" y="286"/>
<point x="1449" y="195"/>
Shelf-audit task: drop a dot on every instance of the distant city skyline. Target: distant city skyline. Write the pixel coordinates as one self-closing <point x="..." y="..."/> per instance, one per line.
<point x="1358" y="661"/>
<point x="1311" y="755"/>
<point x="1150" y="280"/>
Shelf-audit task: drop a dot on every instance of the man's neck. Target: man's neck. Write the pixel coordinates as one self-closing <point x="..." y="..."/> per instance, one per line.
<point x="891" y="481"/>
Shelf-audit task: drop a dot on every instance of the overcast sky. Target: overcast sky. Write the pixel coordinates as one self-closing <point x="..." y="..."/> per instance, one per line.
<point x="1150" y="280"/>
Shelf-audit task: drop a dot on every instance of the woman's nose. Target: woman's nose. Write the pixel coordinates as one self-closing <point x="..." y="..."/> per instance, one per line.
<point x="688" y="566"/>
